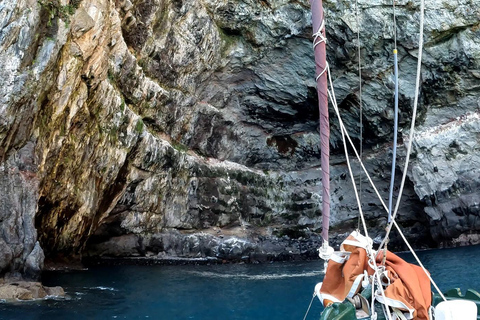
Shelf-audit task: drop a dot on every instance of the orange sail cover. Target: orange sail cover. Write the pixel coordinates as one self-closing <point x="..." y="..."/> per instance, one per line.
<point x="408" y="286"/>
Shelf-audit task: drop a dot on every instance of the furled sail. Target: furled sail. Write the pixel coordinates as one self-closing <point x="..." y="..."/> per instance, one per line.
<point x="319" y="46"/>
<point x="408" y="288"/>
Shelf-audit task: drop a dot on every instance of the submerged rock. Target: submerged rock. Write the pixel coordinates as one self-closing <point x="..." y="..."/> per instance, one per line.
<point x="24" y="290"/>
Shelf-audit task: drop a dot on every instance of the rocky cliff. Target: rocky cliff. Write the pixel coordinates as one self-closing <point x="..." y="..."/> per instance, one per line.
<point x="170" y="128"/>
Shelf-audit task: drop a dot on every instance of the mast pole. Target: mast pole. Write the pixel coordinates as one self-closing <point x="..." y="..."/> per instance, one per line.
<point x="319" y="47"/>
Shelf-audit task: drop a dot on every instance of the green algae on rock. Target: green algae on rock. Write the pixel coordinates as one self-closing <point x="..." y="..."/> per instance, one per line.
<point x="141" y="125"/>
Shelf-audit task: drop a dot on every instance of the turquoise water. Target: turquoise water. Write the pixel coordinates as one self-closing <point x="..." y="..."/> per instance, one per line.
<point x="267" y="291"/>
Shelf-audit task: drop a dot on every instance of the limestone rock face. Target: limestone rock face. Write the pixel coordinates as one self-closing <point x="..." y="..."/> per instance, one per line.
<point x="19" y="248"/>
<point x="446" y="174"/>
<point x="129" y="127"/>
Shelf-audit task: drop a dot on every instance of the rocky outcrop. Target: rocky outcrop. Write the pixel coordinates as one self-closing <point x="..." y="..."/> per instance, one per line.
<point x="210" y="246"/>
<point x="133" y="127"/>
<point x="445" y="173"/>
<point x="19" y="248"/>
<point x="25" y="291"/>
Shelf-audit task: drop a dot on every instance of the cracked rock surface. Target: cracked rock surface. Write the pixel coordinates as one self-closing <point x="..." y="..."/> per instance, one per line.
<point x="189" y="128"/>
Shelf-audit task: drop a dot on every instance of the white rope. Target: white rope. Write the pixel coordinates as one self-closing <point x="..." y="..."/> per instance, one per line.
<point x="344" y="130"/>
<point x="395" y="122"/>
<point x="369" y="250"/>
<point x="319" y="38"/>
<point x="342" y="127"/>
<point x="372" y="263"/>
<point x="412" y="126"/>
<point x="379" y="284"/>
<point x="321" y="73"/>
<point x="418" y="260"/>
<point x="399" y="314"/>
<point x="394" y="25"/>
<point x="319" y="34"/>
<point x="409" y="149"/>
<point x="345" y="134"/>
<point x="309" y="306"/>
<point x="373" y="314"/>
<point x="333" y="99"/>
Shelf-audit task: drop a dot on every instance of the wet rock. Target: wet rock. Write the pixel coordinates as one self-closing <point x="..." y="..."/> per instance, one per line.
<point x="11" y="292"/>
<point x="23" y="290"/>
<point x="174" y="246"/>
<point x="54" y="291"/>
<point x="124" y="120"/>
<point x="34" y="262"/>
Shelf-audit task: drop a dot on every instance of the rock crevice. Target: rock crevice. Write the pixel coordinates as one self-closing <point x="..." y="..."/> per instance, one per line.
<point x="135" y="128"/>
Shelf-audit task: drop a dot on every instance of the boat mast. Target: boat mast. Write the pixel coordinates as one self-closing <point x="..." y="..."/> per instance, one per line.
<point x="319" y="47"/>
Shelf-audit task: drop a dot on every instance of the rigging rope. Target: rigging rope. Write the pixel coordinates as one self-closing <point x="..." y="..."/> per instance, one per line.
<point x="369" y="250"/>
<point x="309" y="306"/>
<point x="333" y="99"/>
<point x="395" y="121"/>
<point x="394" y="26"/>
<point x="412" y="126"/>
<point x="342" y="127"/>
<point x="418" y="260"/>
<point x="360" y="157"/>
<point x="319" y="38"/>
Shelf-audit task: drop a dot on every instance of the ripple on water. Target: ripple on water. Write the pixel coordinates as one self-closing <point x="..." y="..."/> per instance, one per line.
<point x="233" y="292"/>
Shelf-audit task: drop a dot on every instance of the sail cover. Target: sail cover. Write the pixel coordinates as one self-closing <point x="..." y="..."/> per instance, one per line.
<point x="408" y="286"/>
<point x="319" y="46"/>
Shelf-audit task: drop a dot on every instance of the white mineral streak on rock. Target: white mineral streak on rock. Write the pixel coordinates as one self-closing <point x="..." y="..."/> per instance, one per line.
<point x="438" y="169"/>
<point x="15" y="37"/>
<point x="147" y="116"/>
<point x="445" y="170"/>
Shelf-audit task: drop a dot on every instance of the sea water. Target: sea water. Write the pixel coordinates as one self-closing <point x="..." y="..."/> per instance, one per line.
<point x="281" y="290"/>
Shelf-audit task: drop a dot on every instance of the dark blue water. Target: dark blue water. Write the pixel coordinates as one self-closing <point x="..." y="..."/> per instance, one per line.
<point x="268" y="291"/>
